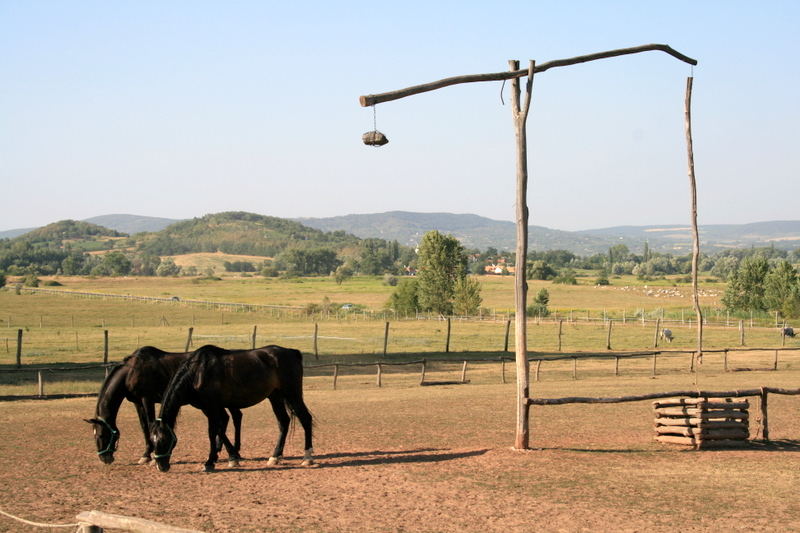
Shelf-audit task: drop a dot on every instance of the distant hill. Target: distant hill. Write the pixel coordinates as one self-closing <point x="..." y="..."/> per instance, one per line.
<point x="479" y="232"/>
<point x="240" y="233"/>
<point x="472" y="230"/>
<point x="65" y="230"/>
<point x="132" y="224"/>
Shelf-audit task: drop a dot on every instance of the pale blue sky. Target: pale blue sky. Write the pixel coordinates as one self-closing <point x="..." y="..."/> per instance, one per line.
<point x="182" y="108"/>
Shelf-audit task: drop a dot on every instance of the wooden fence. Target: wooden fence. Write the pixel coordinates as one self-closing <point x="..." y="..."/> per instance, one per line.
<point x="761" y="392"/>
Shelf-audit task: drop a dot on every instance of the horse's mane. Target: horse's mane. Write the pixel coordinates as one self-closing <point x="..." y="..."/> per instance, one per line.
<point x="111" y="378"/>
<point x="195" y="366"/>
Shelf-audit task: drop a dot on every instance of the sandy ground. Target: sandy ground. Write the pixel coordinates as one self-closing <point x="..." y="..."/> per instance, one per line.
<point x="399" y="460"/>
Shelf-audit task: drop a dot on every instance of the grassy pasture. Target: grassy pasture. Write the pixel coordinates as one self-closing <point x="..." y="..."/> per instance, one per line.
<point x="65" y="330"/>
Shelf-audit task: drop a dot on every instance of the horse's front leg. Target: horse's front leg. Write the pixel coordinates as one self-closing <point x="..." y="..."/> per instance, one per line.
<point x="222" y="440"/>
<point x="213" y="431"/>
<point x="146" y="411"/>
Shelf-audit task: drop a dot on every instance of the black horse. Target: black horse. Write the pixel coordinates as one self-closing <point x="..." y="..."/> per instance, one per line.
<point x="213" y="379"/>
<point x="142" y="379"/>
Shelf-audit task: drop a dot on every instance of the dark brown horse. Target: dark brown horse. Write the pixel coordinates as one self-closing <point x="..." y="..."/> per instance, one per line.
<point x="213" y="379"/>
<point x="142" y="379"/>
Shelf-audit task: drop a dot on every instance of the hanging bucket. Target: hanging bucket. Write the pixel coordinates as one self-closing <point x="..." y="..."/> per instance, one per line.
<point x="374" y="138"/>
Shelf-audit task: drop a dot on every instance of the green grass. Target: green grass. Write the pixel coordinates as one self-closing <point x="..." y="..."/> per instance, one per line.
<point x="69" y="330"/>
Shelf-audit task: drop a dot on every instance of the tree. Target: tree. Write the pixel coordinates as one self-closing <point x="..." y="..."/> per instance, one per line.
<point x="745" y="291"/>
<point x="117" y="264"/>
<point x="539" y="305"/>
<point x="404" y="299"/>
<point x="343" y="273"/>
<point x="540" y="270"/>
<point x="168" y="268"/>
<point x="2" y="280"/>
<point x="441" y="261"/>
<point x="781" y="290"/>
<point x="467" y="298"/>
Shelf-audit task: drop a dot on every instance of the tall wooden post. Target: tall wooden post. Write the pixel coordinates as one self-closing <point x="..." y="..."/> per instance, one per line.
<point x="105" y="346"/>
<point x="520" y="116"/>
<point x="19" y="348"/>
<point x="385" y="338"/>
<point x="695" y="233"/>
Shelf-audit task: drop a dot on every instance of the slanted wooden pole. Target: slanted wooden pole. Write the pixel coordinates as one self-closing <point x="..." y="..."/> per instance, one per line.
<point x="655" y="334"/>
<point x="508" y="329"/>
<point x="764" y="416"/>
<point x="560" y="326"/>
<point x="335" y="375"/>
<point x="385" y="338"/>
<point x="608" y="335"/>
<point x="255" y="332"/>
<point x="316" y="345"/>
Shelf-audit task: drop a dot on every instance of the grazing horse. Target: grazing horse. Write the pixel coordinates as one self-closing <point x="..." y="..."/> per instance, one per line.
<point x="788" y="332"/>
<point x="142" y="379"/>
<point x="213" y="379"/>
<point x="666" y="334"/>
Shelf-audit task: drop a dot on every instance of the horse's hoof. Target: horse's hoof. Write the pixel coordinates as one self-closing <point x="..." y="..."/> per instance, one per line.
<point x="308" y="462"/>
<point x="233" y="463"/>
<point x="144" y="460"/>
<point x="273" y="461"/>
<point x="208" y="468"/>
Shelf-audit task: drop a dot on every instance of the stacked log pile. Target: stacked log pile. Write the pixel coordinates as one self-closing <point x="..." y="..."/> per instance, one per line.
<point x="702" y="422"/>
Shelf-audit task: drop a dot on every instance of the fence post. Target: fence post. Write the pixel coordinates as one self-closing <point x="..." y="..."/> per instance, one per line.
<point x="422" y="377"/>
<point x="105" y="346"/>
<point x="19" y="348"/>
<point x="385" y="338"/>
<point x="725" y="359"/>
<point x="378" y="376"/>
<point x="464" y="373"/>
<point x="255" y="329"/>
<point x="608" y="336"/>
<point x="741" y="333"/>
<point x="502" y="370"/>
<point x="447" y="344"/>
<point x="764" y="416"/>
<point x="655" y="358"/>
<point x="335" y="375"/>
<point x="655" y="335"/>
<point x="316" y="333"/>
<point x="574" y="367"/>
<point x="616" y="365"/>
<point x="189" y="340"/>
<point x="508" y="328"/>
<point x="538" y="364"/>
<point x="560" y="324"/>
<point x="41" y="383"/>
<point x="775" y="363"/>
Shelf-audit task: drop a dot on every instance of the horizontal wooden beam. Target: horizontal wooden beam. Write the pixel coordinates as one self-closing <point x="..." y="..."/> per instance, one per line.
<point x="372" y="99"/>
<point x="656" y="395"/>
<point x="128" y="523"/>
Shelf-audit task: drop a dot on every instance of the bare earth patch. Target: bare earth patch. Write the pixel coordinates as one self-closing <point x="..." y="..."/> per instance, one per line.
<point x="406" y="459"/>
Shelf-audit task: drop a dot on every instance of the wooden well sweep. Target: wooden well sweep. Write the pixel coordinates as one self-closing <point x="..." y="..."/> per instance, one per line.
<point x="702" y="422"/>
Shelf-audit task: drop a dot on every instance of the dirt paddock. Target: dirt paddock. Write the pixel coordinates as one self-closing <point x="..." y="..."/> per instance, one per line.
<point x="409" y="459"/>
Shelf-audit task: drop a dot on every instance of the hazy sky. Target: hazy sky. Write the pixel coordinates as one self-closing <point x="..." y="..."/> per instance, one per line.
<point x="182" y="108"/>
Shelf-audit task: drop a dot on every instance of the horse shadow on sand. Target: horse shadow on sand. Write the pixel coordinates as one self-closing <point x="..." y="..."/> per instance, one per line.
<point x="365" y="458"/>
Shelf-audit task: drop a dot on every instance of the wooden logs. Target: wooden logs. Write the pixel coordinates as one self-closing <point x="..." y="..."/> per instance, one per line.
<point x="702" y="422"/>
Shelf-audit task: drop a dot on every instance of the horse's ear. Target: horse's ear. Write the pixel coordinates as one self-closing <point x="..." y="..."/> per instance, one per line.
<point x="91" y="420"/>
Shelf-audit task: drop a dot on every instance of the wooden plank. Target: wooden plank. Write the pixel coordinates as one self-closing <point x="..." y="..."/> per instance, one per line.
<point x="704" y="433"/>
<point x="697" y="422"/>
<point x="699" y="413"/>
<point x="669" y="402"/>
<point x="128" y="523"/>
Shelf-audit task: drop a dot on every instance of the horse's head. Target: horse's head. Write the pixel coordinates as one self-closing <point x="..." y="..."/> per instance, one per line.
<point x="164" y="440"/>
<point x="106" y="437"/>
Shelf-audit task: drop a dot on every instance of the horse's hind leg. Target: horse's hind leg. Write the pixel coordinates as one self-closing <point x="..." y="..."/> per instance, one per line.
<point x="304" y="415"/>
<point x="146" y="411"/>
<point x="222" y="439"/>
<point x="236" y="416"/>
<point x="278" y="407"/>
